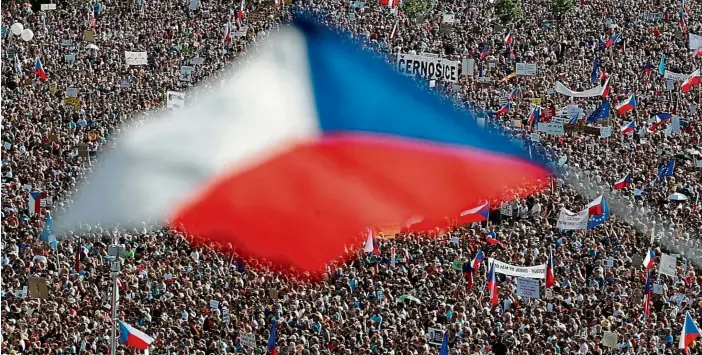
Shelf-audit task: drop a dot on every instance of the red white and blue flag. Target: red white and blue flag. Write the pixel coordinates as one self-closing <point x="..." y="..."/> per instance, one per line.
<point x="133" y="337"/>
<point x="691" y="80"/>
<point x="595" y="207"/>
<point x="659" y="119"/>
<point x="689" y="332"/>
<point x="626" y="105"/>
<point x="492" y="286"/>
<point x="629" y="127"/>
<point x="623" y="182"/>
<point x="477" y="214"/>
<point x="550" y="272"/>
<point x="294" y="180"/>
<point x="39" y="69"/>
<point x="272" y="338"/>
<point x="509" y="39"/>
<point x="647" y="295"/>
<point x="479" y="257"/>
<point x="504" y="109"/>
<point x="34" y="203"/>
<point x="649" y="259"/>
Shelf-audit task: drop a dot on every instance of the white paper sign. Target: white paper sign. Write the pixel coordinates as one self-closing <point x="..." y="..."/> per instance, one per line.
<point x="568" y="220"/>
<point x="573" y="110"/>
<point x="605" y="132"/>
<point x="186" y="73"/>
<point x="449" y="18"/>
<point x="526" y="69"/>
<point x="225" y="315"/>
<point x="468" y="67"/>
<point x="532" y="272"/>
<point x="248" y="340"/>
<point x="194" y="4"/>
<point x="552" y="128"/>
<point x="527" y="288"/>
<point x="674" y="76"/>
<point x="136" y="58"/>
<point x="667" y="265"/>
<point x="658" y="289"/>
<point x="506" y="209"/>
<point x="535" y="137"/>
<point x="427" y="67"/>
<point x="175" y="99"/>
<point x="695" y="41"/>
<point x="71" y="92"/>
<point x="435" y="336"/>
<point x="214" y="304"/>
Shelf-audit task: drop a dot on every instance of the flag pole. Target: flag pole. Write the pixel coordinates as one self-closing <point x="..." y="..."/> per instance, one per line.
<point x="115" y="251"/>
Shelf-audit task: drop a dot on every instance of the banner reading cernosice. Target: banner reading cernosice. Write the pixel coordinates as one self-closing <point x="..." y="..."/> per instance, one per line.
<point x="563" y="90"/>
<point x="533" y="272"/>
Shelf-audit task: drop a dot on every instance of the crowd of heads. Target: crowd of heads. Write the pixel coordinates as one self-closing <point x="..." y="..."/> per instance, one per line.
<point x="195" y="300"/>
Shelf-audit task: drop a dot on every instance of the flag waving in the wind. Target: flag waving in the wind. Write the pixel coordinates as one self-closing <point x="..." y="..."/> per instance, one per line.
<point x="550" y="272"/>
<point x="623" y="182"/>
<point x="295" y="179"/>
<point x="691" y="80"/>
<point x="689" y="332"/>
<point x="534" y="116"/>
<point x="629" y="127"/>
<point x="272" y="337"/>
<point x="647" y="295"/>
<point x="492" y="286"/>
<point x="133" y="337"/>
<point x="649" y="259"/>
<point x="39" y="69"/>
<point x="626" y="105"/>
<point x="595" y="71"/>
<point x="444" y="344"/>
<point x="509" y="39"/>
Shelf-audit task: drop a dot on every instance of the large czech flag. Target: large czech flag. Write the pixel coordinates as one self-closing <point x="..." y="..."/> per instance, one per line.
<point x="133" y="337"/>
<point x="304" y="147"/>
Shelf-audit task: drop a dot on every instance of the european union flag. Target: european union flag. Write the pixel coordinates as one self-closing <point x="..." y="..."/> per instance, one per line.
<point x="598" y="219"/>
<point x="601" y="112"/>
<point x="666" y="169"/>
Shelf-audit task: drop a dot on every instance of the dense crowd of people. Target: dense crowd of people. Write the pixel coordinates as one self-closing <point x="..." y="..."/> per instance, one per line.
<point x="366" y="303"/>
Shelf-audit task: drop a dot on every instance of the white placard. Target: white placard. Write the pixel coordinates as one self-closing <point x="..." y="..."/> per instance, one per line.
<point x="568" y="220"/>
<point x="175" y="99"/>
<point x="535" y="137"/>
<point x="193" y="5"/>
<point x="225" y="315"/>
<point x="468" y="67"/>
<point x="449" y="18"/>
<point x="248" y="340"/>
<point x="605" y="132"/>
<point x="674" y="76"/>
<point x="136" y="58"/>
<point x="435" y="336"/>
<point x="197" y="60"/>
<point x="572" y="110"/>
<point x="532" y="272"/>
<point x="427" y="67"/>
<point x="548" y="293"/>
<point x="669" y="84"/>
<point x="658" y="289"/>
<point x="214" y="304"/>
<point x="526" y="69"/>
<point x="667" y="265"/>
<point x="46" y="7"/>
<point x="71" y="92"/>
<point x="695" y="41"/>
<point x="552" y="128"/>
<point x="186" y="73"/>
<point x="699" y="163"/>
<point x="610" y="339"/>
<point x="506" y="209"/>
<point x="527" y="288"/>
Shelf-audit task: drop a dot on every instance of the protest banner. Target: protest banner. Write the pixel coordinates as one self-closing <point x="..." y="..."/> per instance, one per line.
<point x="605" y="132"/>
<point x="532" y="272"/>
<point x="468" y="67"/>
<point x="658" y="289"/>
<point x="535" y="137"/>
<point x="695" y="41"/>
<point x="568" y="220"/>
<point x="674" y="76"/>
<point x="193" y="5"/>
<point x="71" y="92"/>
<point x="175" y="99"/>
<point x="527" y="287"/>
<point x="135" y="58"/>
<point x="435" y="336"/>
<point x="610" y="340"/>
<point x="248" y="340"/>
<point x="526" y="69"/>
<point x="552" y="128"/>
<point x="427" y="67"/>
<point x="47" y="7"/>
<point x="506" y="209"/>
<point x="449" y="18"/>
<point x="653" y="16"/>
<point x="564" y="90"/>
<point x="186" y="73"/>
<point x="667" y="265"/>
